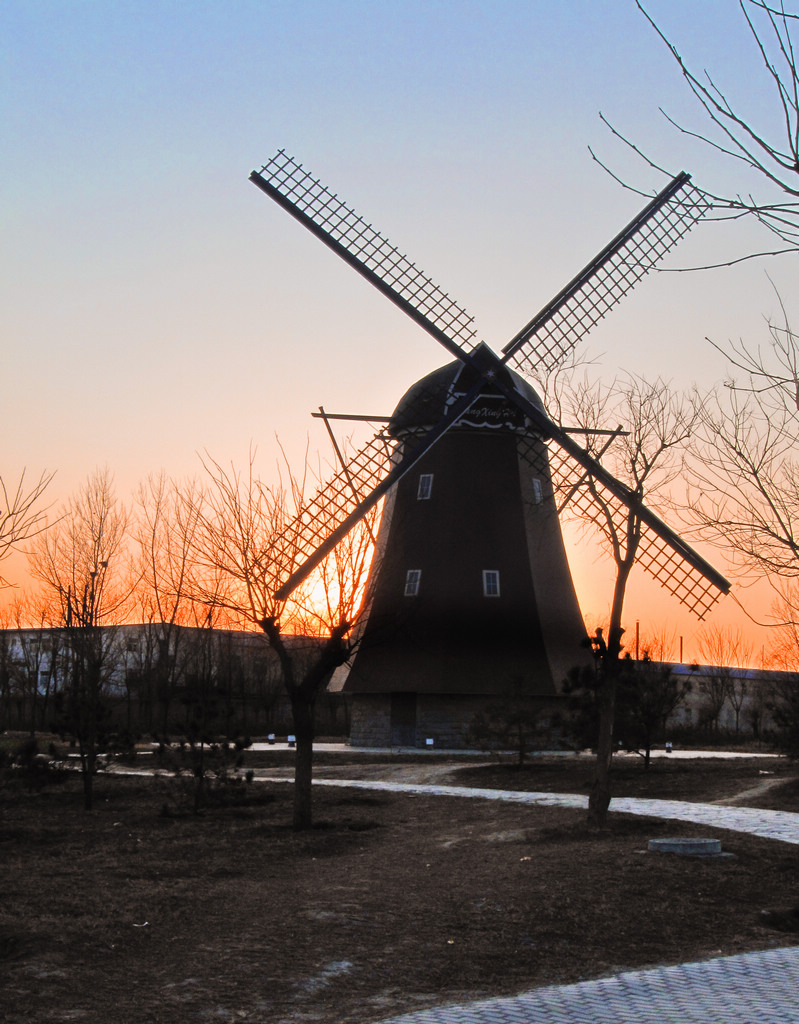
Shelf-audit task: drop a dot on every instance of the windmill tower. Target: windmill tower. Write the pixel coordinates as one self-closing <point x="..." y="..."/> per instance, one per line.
<point x="471" y="592"/>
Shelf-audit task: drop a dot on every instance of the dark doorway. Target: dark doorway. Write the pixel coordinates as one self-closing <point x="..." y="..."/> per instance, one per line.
<point x="403" y="719"/>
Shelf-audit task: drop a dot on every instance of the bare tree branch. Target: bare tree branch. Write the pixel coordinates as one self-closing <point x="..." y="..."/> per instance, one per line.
<point x="21" y="517"/>
<point x="736" y="137"/>
<point x="746" y="456"/>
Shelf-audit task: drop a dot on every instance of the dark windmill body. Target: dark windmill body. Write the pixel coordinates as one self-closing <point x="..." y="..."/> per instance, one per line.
<point x="470" y="596"/>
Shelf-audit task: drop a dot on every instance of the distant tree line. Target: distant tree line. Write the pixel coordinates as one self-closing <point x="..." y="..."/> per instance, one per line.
<point x="196" y="567"/>
<point x="197" y="682"/>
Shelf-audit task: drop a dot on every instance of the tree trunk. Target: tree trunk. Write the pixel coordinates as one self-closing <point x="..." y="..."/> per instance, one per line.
<point x="35" y="708"/>
<point x="303" y="699"/>
<point x="45" y="700"/>
<point x="599" y="799"/>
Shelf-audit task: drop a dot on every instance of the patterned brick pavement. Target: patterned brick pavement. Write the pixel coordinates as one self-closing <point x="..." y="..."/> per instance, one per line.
<point x="753" y="988"/>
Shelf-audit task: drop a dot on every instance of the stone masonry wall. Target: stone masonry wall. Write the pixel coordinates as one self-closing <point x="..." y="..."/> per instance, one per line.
<point x="370" y="723"/>
<point x="444" y="719"/>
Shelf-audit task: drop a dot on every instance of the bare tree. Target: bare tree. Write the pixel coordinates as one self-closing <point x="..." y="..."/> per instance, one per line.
<point x="164" y="531"/>
<point x="81" y="561"/>
<point x="253" y="535"/>
<point x="648" y="458"/>
<point x="201" y="717"/>
<point x="725" y="652"/>
<point x="734" y="136"/>
<point x="784" y="654"/>
<point x="6" y="672"/>
<point x="781" y="699"/>
<point x="37" y="649"/>
<point x="747" y="466"/>
<point x="21" y="516"/>
<point x="659" y="643"/>
<point x="746" y="457"/>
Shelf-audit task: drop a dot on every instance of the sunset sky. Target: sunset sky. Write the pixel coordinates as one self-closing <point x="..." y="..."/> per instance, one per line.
<point x="155" y="304"/>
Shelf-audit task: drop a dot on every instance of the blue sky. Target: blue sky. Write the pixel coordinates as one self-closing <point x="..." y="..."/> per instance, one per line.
<point x="154" y="303"/>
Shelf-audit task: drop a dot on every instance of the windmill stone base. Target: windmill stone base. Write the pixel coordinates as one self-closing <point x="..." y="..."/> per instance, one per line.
<point x="411" y="720"/>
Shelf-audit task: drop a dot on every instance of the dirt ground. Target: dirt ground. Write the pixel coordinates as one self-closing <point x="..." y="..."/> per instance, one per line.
<point x="393" y="902"/>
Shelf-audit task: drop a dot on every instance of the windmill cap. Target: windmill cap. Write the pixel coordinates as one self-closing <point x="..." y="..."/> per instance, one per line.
<point x="425" y="403"/>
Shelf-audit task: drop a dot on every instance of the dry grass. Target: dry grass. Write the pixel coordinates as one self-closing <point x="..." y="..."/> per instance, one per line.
<point x="394" y="902"/>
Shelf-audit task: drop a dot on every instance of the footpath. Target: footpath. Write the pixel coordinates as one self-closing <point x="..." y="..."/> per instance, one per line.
<point x="752" y="988"/>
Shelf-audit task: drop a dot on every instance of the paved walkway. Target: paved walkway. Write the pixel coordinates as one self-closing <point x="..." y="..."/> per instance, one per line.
<point x="782" y="825"/>
<point x="753" y="988"/>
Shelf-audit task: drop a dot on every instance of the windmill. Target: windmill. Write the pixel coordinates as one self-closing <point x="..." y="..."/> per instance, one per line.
<point x="470" y="589"/>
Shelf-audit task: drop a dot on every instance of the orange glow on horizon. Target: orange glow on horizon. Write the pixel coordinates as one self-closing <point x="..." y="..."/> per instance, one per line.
<point x="655" y="611"/>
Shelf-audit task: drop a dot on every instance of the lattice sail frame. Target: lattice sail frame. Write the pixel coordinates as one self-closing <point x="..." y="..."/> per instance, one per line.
<point x="287" y="179"/>
<point x="337" y="499"/>
<point x="553" y="333"/>
<point x="592" y="502"/>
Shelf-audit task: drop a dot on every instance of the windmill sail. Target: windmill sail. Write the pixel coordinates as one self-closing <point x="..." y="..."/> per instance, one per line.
<point x="555" y="330"/>
<point x="335" y="500"/>
<point x="661" y="552"/>
<point x="599" y="286"/>
<point x="546" y="338"/>
<point x="367" y="251"/>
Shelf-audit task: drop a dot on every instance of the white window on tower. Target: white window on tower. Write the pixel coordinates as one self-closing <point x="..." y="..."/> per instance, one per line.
<point x="425" y="488"/>
<point x="490" y="583"/>
<point x="538" y="490"/>
<point x="412" y="578"/>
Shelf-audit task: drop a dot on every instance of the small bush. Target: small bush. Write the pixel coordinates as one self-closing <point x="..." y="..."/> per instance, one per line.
<point x="202" y="775"/>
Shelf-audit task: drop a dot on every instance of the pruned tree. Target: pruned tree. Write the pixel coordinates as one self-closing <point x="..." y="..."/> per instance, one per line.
<point x="752" y="144"/>
<point x="22" y="516"/>
<point x="6" y="673"/>
<point x="37" y="654"/>
<point x="647" y="456"/>
<point x="251" y="534"/>
<point x="647" y="694"/>
<point x="81" y="561"/>
<point x="201" y="708"/>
